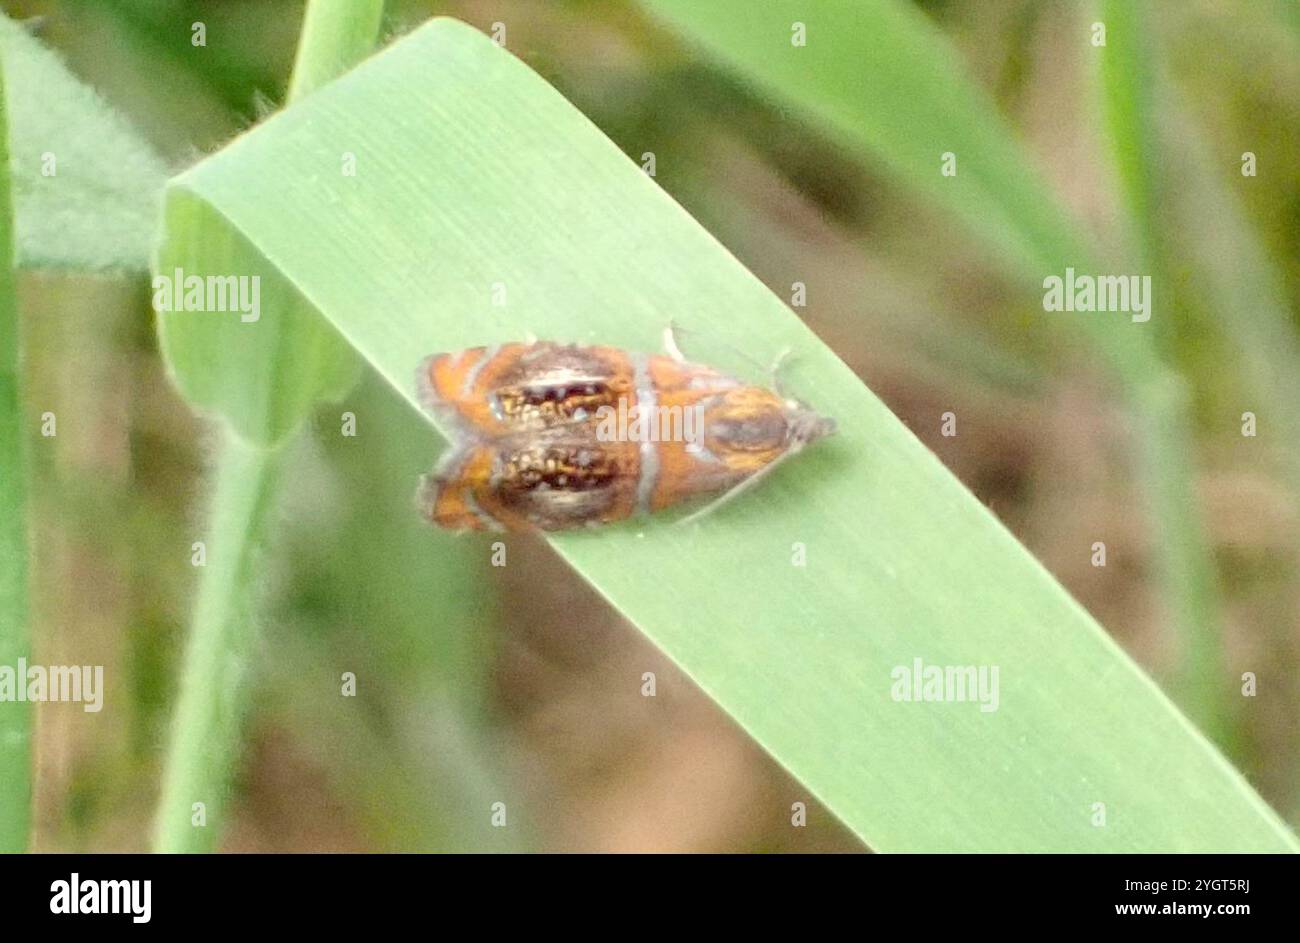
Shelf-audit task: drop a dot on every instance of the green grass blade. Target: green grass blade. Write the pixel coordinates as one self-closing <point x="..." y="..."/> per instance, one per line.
<point x="409" y="614"/>
<point x="86" y="188"/>
<point x="336" y="34"/>
<point x="214" y="676"/>
<point x="1229" y="298"/>
<point x="304" y="358"/>
<point x="881" y="79"/>
<point x="1127" y="68"/>
<point x="263" y="389"/>
<point x="15" y="642"/>
<point x="501" y="183"/>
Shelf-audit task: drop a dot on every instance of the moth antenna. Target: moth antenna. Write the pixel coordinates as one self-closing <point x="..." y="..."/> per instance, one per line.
<point x="670" y="343"/>
<point x="737" y="489"/>
<point x="781" y="359"/>
<point x="673" y="351"/>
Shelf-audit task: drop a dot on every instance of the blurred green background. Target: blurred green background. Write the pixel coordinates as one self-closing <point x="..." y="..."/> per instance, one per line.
<point x="520" y="682"/>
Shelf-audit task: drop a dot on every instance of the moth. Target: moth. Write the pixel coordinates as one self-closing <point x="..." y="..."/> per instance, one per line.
<point x="554" y="436"/>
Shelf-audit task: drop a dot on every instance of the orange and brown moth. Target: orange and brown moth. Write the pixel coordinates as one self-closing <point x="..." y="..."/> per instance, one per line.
<point x="555" y="436"/>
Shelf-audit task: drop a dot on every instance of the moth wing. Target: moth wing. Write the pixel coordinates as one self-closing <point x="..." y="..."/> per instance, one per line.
<point x="557" y="479"/>
<point x="670" y="376"/>
<point x="512" y="388"/>
<point x="450" y="385"/>
<point x="458" y="494"/>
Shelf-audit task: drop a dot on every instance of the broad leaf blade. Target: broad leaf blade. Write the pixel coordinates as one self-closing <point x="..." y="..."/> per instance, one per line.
<point x="472" y="172"/>
<point x="262" y="357"/>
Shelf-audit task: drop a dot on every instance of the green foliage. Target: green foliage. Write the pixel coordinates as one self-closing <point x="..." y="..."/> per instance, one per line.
<point x="298" y="361"/>
<point x="15" y="718"/>
<point x="86" y="189"/>
<point x="500" y="182"/>
<point x="877" y="76"/>
<point x="218" y="659"/>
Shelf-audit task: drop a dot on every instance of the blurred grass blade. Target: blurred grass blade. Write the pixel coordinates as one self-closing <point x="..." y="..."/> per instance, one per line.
<point x="1126" y="76"/>
<point x="416" y="621"/>
<point x="471" y="172"/>
<point x="336" y="35"/>
<point x="86" y="188"/>
<point x="1231" y="269"/>
<point x="15" y="642"/>
<point x="301" y="361"/>
<point x="883" y="80"/>
<point x="1230" y="295"/>
<point x="218" y="661"/>
<point x="1127" y="72"/>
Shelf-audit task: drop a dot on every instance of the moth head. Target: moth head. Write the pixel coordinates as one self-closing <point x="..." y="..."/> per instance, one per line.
<point x="805" y="424"/>
<point x="750" y="427"/>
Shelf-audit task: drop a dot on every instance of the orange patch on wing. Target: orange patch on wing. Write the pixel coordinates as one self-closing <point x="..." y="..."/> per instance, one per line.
<point x="461" y="384"/>
<point x="460" y="496"/>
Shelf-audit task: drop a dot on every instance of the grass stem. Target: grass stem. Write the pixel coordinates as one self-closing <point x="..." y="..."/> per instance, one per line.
<point x="15" y="641"/>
